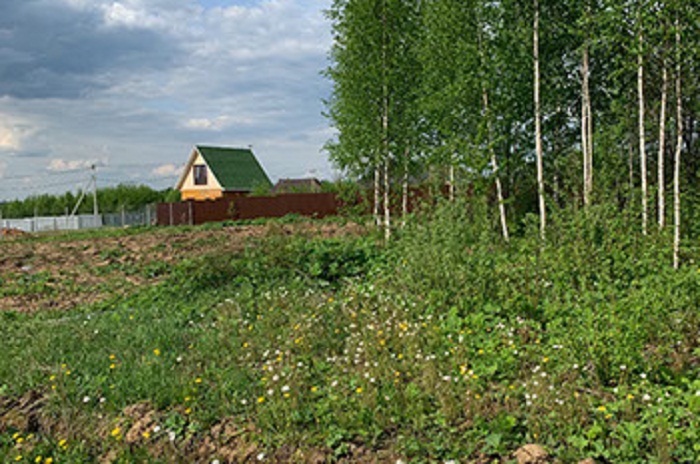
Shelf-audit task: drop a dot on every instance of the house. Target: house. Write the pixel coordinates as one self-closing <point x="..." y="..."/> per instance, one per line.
<point x="216" y="172"/>
<point x="311" y="185"/>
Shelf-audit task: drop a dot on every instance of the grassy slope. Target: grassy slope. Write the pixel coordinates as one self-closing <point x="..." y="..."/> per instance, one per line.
<point x="447" y="344"/>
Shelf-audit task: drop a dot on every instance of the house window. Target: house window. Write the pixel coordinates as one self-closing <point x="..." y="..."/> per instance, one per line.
<point x="200" y="175"/>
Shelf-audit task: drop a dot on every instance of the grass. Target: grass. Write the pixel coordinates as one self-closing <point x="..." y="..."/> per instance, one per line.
<point x="446" y="345"/>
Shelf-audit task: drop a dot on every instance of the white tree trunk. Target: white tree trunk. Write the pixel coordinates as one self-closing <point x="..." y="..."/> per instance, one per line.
<point x="538" y="122"/>
<point x="662" y="149"/>
<point x="452" y="179"/>
<point x="404" y="193"/>
<point x="677" y="158"/>
<point x="377" y="176"/>
<point x="494" y="165"/>
<point x="586" y="129"/>
<point x="387" y="206"/>
<point x="642" y="141"/>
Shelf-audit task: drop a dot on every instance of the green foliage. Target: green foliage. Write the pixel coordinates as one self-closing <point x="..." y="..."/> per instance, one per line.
<point x="447" y="344"/>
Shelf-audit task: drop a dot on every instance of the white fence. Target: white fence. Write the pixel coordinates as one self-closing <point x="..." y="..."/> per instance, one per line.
<point x="42" y="224"/>
<point x="145" y="217"/>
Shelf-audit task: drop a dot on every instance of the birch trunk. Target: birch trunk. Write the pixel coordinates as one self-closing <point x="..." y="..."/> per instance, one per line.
<point x="387" y="209"/>
<point x="377" y="181"/>
<point x="677" y="158"/>
<point x="494" y="165"/>
<point x="538" y="122"/>
<point x="385" y="126"/>
<point x="404" y="193"/>
<point x="642" y="141"/>
<point x="662" y="148"/>
<point x="452" y="179"/>
<point x="586" y="129"/>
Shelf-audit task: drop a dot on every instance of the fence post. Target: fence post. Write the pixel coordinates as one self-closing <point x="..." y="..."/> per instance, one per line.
<point x="171" y="213"/>
<point x="148" y="215"/>
<point x="189" y="210"/>
<point x="123" y="216"/>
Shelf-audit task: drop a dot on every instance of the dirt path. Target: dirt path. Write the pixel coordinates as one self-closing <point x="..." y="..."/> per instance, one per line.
<point x="59" y="272"/>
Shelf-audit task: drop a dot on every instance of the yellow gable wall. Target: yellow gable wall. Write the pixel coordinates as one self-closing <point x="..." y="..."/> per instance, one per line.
<point x="190" y="191"/>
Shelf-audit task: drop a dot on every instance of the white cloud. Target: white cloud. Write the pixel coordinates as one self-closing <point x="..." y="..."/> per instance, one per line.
<point x="14" y="132"/>
<point x="167" y="170"/>
<point x="61" y="165"/>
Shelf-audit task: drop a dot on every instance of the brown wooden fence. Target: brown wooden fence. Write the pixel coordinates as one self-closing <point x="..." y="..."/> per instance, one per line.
<point x="199" y="212"/>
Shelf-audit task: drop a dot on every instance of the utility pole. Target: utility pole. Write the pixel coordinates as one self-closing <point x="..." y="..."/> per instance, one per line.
<point x="95" y="209"/>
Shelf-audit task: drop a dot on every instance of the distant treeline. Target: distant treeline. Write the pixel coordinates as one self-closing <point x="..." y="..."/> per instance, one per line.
<point x="110" y="200"/>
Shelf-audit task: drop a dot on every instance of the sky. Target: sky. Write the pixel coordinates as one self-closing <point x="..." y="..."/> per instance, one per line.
<point x="130" y="86"/>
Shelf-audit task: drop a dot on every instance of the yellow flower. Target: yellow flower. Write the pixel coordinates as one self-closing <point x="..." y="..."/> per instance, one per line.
<point x="630" y="396"/>
<point x="198" y="380"/>
<point x="48" y="461"/>
<point x="18" y="457"/>
<point x="15" y="435"/>
<point x="63" y="444"/>
<point x="481" y="351"/>
<point x="116" y="431"/>
<point x="545" y="360"/>
<point x="52" y="378"/>
<point x="112" y="366"/>
<point x="112" y="357"/>
<point x="261" y="399"/>
<point x="314" y="389"/>
<point x="608" y="416"/>
<point x="188" y="411"/>
<point x="286" y="395"/>
<point x="156" y="352"/>
<point x="38" y="459"/>
<point x="358" y="390"/>
<point x="67" y="372"/>
<point x="382" y="342"/>
<point x="19" y="440"/>
<point x="602" y="408"/>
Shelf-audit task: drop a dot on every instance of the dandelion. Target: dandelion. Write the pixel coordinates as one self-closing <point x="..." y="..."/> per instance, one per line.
<point x="63" y="444"/>
<point x="48" y="460"/>
<point x="602" y="408"/>
<point x="112" y="357"/>
<point x="156" y="352"/>
<point x="112" y="366"/>
<point x="18" y="457"/>
<point x="358" y="390"/>
<point x="146" y="435"/>
<point x="188" y="411"/>
<point x="630" y="396"/>
<point x="261" y="399"/>
<point x="198" y="380"/>
<point x="116" y="432"/>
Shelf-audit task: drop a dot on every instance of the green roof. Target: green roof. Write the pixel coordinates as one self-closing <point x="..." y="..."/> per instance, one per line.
<point x="235" y="168"/>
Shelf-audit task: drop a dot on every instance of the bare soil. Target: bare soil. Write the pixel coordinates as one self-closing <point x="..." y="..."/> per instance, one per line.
<point x="59" y="272"/>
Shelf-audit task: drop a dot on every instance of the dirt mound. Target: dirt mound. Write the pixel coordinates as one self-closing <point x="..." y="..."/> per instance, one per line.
<point x="57" y="271"/>
<point x="5" y="232"/>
